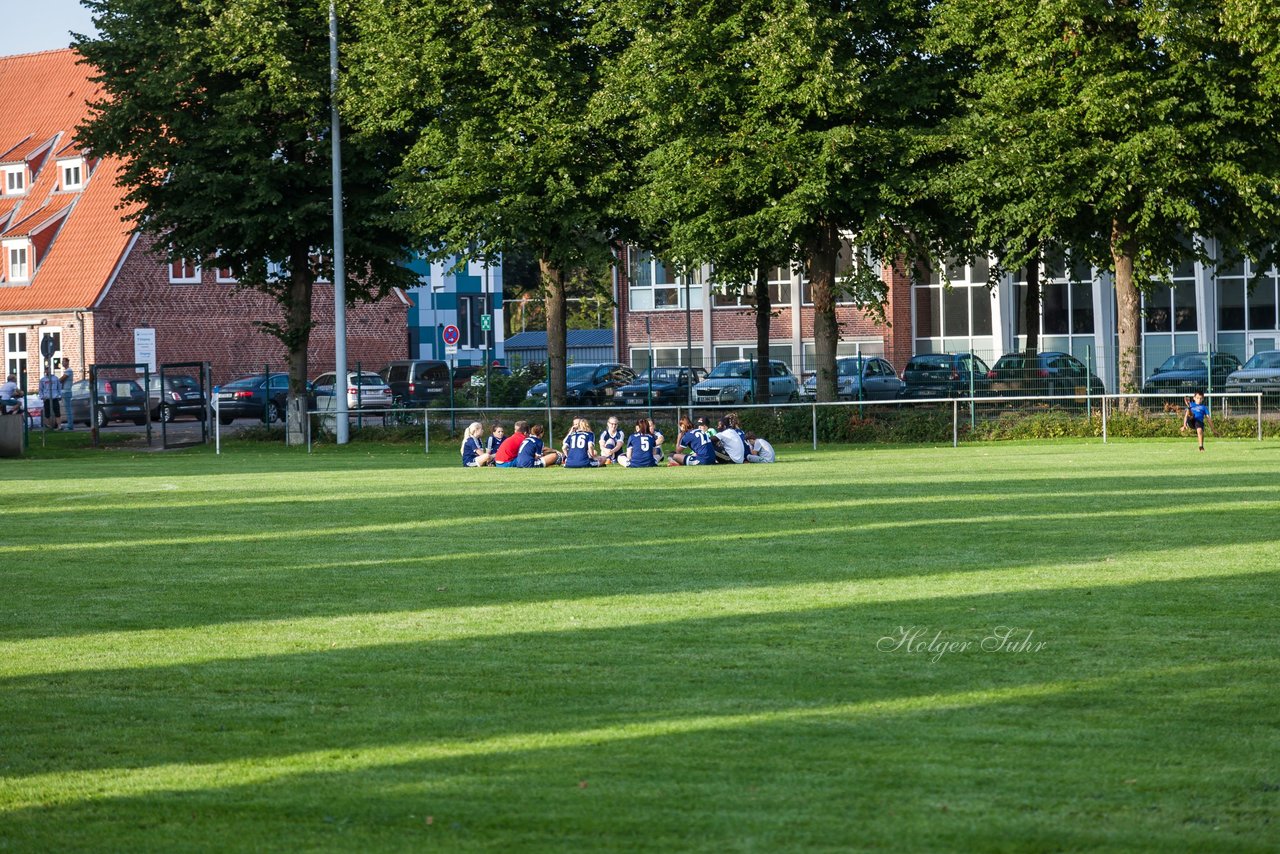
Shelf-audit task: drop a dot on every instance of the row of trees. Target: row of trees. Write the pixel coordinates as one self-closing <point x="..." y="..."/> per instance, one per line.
<point x="740" y="133"/>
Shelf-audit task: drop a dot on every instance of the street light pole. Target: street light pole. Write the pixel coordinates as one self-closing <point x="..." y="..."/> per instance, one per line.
<point x="341" y="433"/>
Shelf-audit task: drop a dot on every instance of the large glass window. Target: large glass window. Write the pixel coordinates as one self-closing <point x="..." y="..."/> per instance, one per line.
<point x="844" y="267"/>
<point x="743" y="295"/>
<point x="955" y="313"/>
<point x="654" y="285"/>
<point x="1242" y="307"/>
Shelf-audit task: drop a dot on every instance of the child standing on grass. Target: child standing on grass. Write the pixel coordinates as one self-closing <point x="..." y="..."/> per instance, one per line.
<point x="1197" y="416"/>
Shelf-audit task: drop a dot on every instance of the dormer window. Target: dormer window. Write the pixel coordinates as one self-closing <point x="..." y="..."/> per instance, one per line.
<point x="17" y="255"/>
<point x="15" y="180"/>
<point x="72" y="173"/>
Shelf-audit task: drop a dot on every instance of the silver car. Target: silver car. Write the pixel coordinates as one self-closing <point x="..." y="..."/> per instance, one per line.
<point x="861" y="378"/>
<point x="1260" y="374"/>
<point x="732" y="383"/>
<point x="365" y="390"/>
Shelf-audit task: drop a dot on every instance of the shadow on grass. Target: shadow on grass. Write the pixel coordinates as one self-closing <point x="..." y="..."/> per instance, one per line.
<point x="269" y="557"/>
<point x="783" y="733"/>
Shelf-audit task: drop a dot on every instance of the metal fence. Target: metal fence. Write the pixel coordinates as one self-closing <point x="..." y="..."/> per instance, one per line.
<point x="935" y="420"/>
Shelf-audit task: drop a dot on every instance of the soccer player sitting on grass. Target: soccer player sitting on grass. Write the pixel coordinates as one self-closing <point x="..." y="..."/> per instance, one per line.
<point x="532" y="455"/>
<point x="580" y="446"/>
<point x="640" y="448"/>
<point x="697" y="444"/>
<point x="1197" y="417"/>
<point x="505" y="456"/>
<point x="473" y="454"/>
<point x="759" y="450"/>
<point x="494" y="441"/>
<point x="611" y="441"/>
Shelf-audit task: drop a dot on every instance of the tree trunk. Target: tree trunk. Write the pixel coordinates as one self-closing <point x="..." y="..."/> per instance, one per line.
<point x="297" y="339"/>
<point x="764" y="314"/>
<point x="557" y="342"/>
<point x="823" y="252"/>
<point x="1124" y="249"/>
<point x="1031" y="305"/>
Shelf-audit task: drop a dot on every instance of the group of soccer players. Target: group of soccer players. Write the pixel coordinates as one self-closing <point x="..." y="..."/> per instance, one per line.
<point x="696" y="444"/>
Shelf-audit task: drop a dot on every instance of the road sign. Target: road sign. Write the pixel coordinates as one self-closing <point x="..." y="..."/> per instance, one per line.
<point x="451" y="335"/>
<point x="486" y="322"/>
<point x="48" y="346"/>
<point x="451" y="349"/>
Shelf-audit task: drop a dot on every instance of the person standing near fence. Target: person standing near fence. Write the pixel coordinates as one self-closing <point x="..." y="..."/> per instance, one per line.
<point x="68" y="378"/>
<point x="1197" y="416"/>
<point x="51" y="398"/>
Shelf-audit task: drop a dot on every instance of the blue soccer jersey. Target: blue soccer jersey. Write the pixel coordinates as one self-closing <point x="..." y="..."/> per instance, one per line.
<point x="609" y="441"/>
<point x="491" y="445"/>
<point x="1199" y="411"/>
<point x="699" y="441"/>
<point x="641" y="446"/>
<point x="578" y="449"/>
<point x="470" y="448"/>
<point x="530" y="454"/>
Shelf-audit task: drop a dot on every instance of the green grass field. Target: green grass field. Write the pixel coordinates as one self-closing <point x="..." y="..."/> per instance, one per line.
<point x="365" y="649"/>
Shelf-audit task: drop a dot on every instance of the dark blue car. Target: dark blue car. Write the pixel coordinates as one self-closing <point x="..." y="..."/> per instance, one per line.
<point x="1187" y="373"/>
<point x="670" y="386"/>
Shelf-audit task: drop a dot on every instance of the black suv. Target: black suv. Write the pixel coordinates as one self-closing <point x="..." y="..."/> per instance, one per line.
<point x="417" y="382"/>
<point x="1047" y="373"/>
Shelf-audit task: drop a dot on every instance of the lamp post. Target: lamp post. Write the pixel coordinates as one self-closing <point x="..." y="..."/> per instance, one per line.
<point x="341" y="433"/>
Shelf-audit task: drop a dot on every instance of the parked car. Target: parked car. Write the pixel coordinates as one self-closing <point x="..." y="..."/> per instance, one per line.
<point x="933" y="375"/>
<point x="478" y="378"/>
<point x="1186" y="373"/>
<point x="1048" y="373"/>
<point x="732" y="382"/>
<point x="860" y="378"/>
<point x="1260" y="374"/>
<point x="118" y="400"/>
<point x="181" y="396"/>
<point x="365" y="390"/>
<point x="417" y="382"/>
<point x="260" y="396"/>
<point x="587" y="385"/>
<point x="669" y="386"/>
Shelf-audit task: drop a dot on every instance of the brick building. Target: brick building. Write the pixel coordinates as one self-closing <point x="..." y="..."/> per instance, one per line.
<point x="71" y="268"/>
<point x="652" y="312"/>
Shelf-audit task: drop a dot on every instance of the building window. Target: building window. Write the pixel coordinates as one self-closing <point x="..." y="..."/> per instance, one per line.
<point x="844" y="267"/>
<point x="15" y="180"/>
<point x="19" y="266"/>
<point x="736" y="352"/>
<point x="470" y="308"/>
<point x="743" y="296"/>
<point x="184" y="272"/>
<point x="1066" y="305"/>
<point x="72" y="174"/>
<point x="226" y="275"/>
<point x="664" y="357"/>
<point x="953" y="309"/>
<point x="867" y="347"/>
<point x="654" y="286"/>
<point x="1245" y="309"/>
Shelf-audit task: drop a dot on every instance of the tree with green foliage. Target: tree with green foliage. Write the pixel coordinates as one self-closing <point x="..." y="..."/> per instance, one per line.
<point x="219" y="112"/>
<point x="769" y="128"/>
<point x="1119" y="128"/>
<point x="502" y="155"/>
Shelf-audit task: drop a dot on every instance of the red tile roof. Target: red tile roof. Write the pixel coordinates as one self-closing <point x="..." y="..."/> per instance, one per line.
<point x="43" y="96"/>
